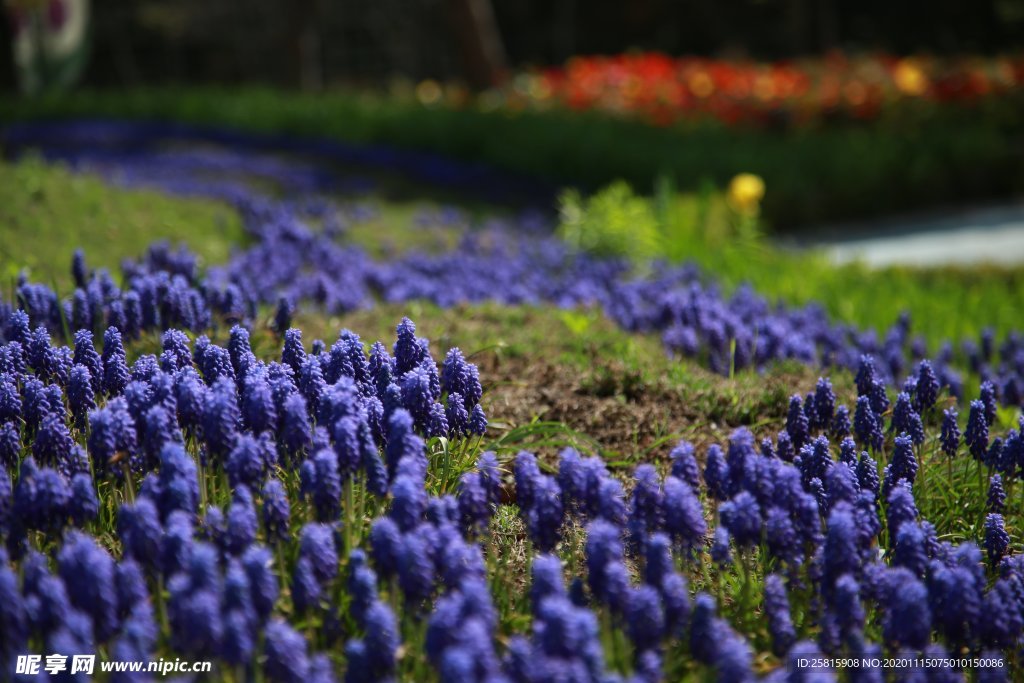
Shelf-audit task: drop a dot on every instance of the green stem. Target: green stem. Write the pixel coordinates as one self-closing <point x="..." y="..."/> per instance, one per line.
<point x="349" y="515"/>
<point x="129" y="484"/>
<point x="161" y="604"/>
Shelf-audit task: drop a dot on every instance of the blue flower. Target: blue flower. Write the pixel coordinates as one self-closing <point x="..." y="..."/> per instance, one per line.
<point x="907" y="621"/>
<point x="115" y="367"/>
<point x="741" y="515"/>
<point x="460" y="377"/>
<point x="996" y="494"/>
<point x="796" y="422"/>
<point x="477" y="421"/>
<point x="841" y="553"/>
<point x="88" y="573"/>
<point x="83" y="506"/>
<point x="721" y="550"/>
<point x="221" y="418"/>
<point x="603" y="546"/>
<point x="306" y="588"/>
<point x="645" y="618"/>
<point x="296" y="434"/>
<point x="909" y="549"/>
<point x="403" y="442"/>
<point x="866" y="425"/>
<point x="179" y="485"/>
<point x="138" y="525"/>
<point x="1002" y="623"/>
<point x="906" y="420"/>
<point x="382" y="640"/>
<point x="997" y="541"/>
<point x="416" y="573"/>
<point x="987" y="396"/>
<point x="409" y="502"/>
<point x="776" y="610"/>
<point x="326" y="485"/>
<point x="276" y="510"/>
<point x="408" y="352"/>
<point x="976" y="436"/>
<point x="867" y="473"/>
<point x="216" y="364"/>
<point x="287" y="660"/>
<point x="258" y="408"/>
<point x="545" y="514"/>
<point x="293" y="354"/>
<point x="901" y="508"/>
<point x="10" y="445"/>
<point x="316" y="543"/>
<point x="955" y="598"/>
<point x="53" y="443"/>
<point x="474" y="505"/>
<point x="840" y="427"/>
<point x="684" y="515"/>
<point x="781" y="536"/>
<point x="81" y="397"/>
<point x="258" y="565"/>
<point x="385" y="546"/>
<point x="546" y="573"/>
<point x="716" y="473"/>
<point x="903" y="463"/>
<point x="647" y="504"/>
<point x="927" y="387"/>
<point x="241" y="522"/>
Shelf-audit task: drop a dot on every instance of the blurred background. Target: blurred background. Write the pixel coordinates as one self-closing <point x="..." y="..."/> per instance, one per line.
<point x="317" y="43"/>
<point x="859" y="120"/>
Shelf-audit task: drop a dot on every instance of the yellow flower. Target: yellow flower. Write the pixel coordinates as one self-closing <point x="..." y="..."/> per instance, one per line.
<point x="746" y="191"/>
<point x="910" y="78"/>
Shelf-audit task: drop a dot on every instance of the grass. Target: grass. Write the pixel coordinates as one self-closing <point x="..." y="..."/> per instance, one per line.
<point x="914" y="155"/>
<point x="46" y="211"/>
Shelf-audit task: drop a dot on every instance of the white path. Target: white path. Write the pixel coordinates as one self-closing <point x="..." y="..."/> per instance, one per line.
<point x="993" y="234"/>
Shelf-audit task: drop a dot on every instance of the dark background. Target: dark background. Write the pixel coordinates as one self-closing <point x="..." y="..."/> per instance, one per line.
<point x="312" y="43"/>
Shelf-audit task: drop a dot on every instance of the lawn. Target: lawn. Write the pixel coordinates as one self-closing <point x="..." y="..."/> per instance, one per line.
<point x="44" y="209"/>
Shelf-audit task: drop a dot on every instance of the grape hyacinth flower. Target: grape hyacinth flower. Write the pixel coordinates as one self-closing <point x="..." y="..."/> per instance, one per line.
<point x="950" y="436"/>
<point x="276" y="511"/>
<point x="866" y="425"/>
<point x="905" y="420"/>
<point x="840" y="427"/>
<point x="741" y="515"/>
<point x="684" y="515"/>
<point x="987" y="396"/>
<point x="796" y="423"/>
<point x="976" y="436"/>
<point x="776" y="610"/>
<point x="997" y="541"/>
<point x="927" y="388"/>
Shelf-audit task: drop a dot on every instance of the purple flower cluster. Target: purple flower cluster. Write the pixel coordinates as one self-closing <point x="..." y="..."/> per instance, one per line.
<point x="165" y="429"/>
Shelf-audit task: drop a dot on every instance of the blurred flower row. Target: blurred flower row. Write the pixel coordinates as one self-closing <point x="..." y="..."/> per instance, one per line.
<point x="665" y="89"/>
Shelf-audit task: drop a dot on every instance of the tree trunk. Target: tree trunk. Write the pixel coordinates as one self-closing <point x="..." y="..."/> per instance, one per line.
<point x="480" y="45"/>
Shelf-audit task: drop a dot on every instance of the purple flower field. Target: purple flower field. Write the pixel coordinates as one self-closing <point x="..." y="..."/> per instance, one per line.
<point x="187" y="475"/>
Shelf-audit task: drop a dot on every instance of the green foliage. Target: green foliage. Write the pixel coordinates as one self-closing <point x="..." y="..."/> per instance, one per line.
<point x="613" y="222"/>
<point x="915" y="155"/>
